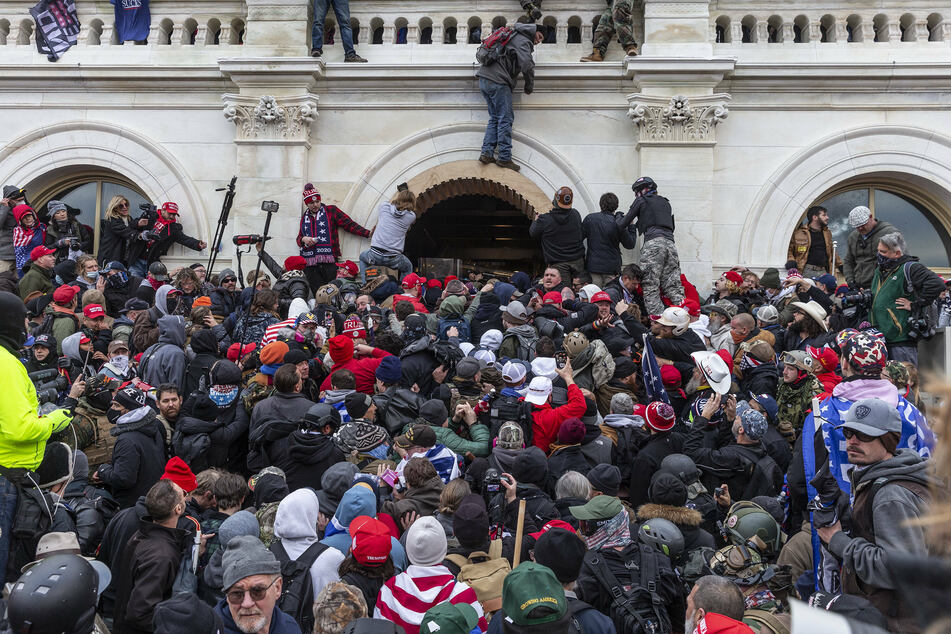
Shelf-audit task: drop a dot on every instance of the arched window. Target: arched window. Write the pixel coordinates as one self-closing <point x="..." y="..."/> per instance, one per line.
<point x="90" y="191"/>
<point x="907" y="210"/>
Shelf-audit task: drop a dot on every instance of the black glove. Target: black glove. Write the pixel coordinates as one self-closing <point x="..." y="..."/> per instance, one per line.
<point x="828" y="505"/>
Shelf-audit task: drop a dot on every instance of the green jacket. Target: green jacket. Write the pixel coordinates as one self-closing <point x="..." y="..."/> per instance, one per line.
<point x="479" y="445"/>
<point x="885" y="315"/>
<point x="63" y="325"/>
<point x="453" y="307"/>
<point x="35" y="279"/>
<point x="23" y="433"/>
<point x="794" y="402"/>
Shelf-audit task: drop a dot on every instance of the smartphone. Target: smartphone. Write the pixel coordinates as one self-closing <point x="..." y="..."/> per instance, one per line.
<point x="390" y="477"/>
<point x="561" y="357"/>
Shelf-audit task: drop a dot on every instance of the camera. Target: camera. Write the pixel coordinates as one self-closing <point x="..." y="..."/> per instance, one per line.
<point x="148" y="208"/>
<point x="270" y="206"/>
<point x="491" y="482"/>
<point x="857" y="298"/>
<point x="73" y="243"/>
<point x="250" y="238"/>
<point x="919" y="328"/>
<point x="48" y="383"/>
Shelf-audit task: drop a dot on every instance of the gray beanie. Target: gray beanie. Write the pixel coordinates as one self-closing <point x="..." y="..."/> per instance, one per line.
<point x="426" y="542"/>
<point x="244" y="557"/>
<point x="54" y="205"/>
<point x="241" y="523"/>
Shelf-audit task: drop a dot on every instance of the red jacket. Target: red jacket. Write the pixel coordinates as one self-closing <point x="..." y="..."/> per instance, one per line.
<point x="712" y="623"/>
<point x="363" y="369"/>
<point x="547" y="419"/>
<point x="829" y="380"/>
<point x="418" y="305"/>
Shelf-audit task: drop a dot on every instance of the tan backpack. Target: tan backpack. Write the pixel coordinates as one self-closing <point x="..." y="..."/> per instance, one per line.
<point x="484" y="573"/>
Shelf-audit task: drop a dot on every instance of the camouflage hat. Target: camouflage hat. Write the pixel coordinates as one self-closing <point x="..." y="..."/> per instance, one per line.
<point x="865" y="353"/>
<point x="337" y="605"/>
<point x="575" y="343"/>
<point x="511" y="436"/>
<point x="100" y="383"/>
<point x="898" y="373"/>
<point x="754" y="424"/>
<point x="326" y="294"/>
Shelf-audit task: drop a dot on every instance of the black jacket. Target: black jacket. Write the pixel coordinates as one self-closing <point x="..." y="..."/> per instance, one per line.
<point x="763" y="379"/>
<point x="308" y="457"/>
<point x="567" y="459"/>
<point x="650" y="210"/>
<point x="145" y="575"/>
<point x="647" y="462"/>
<point x="204" y="344"/>
<point x="58" y="237"/>
<point x="138" y="458"/>
<point x="603" y="236"/>
<point x="486" y="317"/>
<point x="560" y="234"/>
<point x="153" y="250"/>
<point x="417" y="362"/>
<point x="115" y="239"/>
<point x="728" y="464"/>
<point x="279" y="408"/>
<point x="676" y="348"/>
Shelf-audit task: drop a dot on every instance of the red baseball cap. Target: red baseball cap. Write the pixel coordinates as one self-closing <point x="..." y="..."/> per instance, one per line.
<point x="727" y="358"/>
<point x="39" y="252"/>
<point x="660" y="416"/>
<point x="350" y="267"/>
<point x="434" y="283"/>
<point x="670" y="375"/>
<point x="170" y="208"/>
<point x="93" y="311"/>
<point x="552" y="297"/>
<point x="235" y="351"/>
<point x="412" y="281"/>
<point x="640" y="410"/>
<point x="178" y="472"/>
<point x="65" y="294"/>
<point x="600" y="296"/>
<point x="554" y="524"/>
<point x="84" y="339"/>
<point x="734" y="277"/>
<point x="692" y="307"/>
<point x="370" y="540"/>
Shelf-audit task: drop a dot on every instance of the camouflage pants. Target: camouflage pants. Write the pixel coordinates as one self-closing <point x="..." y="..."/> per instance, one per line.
<point x="616" y="18"/>
<point x="661" y="266"/>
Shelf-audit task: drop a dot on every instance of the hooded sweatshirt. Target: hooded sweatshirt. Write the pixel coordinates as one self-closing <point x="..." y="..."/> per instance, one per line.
<point x="358" y="500"/>
<point x="560" y="234"/>
<point x="296" y="526"/>
<point x="391" y="227"/>
<point x="165" y="361"/>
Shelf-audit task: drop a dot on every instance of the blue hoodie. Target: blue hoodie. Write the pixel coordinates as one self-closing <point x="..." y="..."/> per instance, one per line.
<point x="357" y="501"/>
<point x="281" y="623"/>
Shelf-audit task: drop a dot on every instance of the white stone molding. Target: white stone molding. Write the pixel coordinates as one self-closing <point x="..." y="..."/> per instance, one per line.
<point x="678" y="120"/>
<point x="271" y="120"/>
<point x="913" y="153"/>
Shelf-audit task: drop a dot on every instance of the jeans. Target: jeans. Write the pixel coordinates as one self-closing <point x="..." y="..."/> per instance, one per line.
<point x="342" y="11"/>
<point x="498" y="132"/>
<point x="139" y="268"/>
<point x="8" y="510"/>
<point x="396" y="261"/>
<point x="904" y="352"/>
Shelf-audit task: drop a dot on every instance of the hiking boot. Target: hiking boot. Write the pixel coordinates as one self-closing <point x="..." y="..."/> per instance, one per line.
<point x="508" y="165"/>
<point x="631" y="51"/>
<point x="485" y="159"/>
<point x="316" y="52"/>
<point x="533" y="12"/>
<point x="353" y="57"/>
<point x="595" y="56"/>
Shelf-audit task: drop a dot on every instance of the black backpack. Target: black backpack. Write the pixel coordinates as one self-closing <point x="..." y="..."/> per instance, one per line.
<point x="628" y="444"/>
<point x="45" y="327"/>
<point x="506" y="408"/>
<point x="297" y="592"/>
<point x="764" y="477"/>
<point x="32" y="520"/>
<point x="639" y="610"/>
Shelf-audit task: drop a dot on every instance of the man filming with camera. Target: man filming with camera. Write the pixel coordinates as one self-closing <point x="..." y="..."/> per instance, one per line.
<point x="163" y="230"/>
<point x="901" y="288"/>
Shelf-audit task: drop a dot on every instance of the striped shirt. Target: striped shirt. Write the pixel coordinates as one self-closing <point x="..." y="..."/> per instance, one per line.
<point x="405" y="598"/>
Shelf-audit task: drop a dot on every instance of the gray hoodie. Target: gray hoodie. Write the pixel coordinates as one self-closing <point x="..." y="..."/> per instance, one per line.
<point x="7" y="224"/>
<point x="517" y="58"/>
<point x="391" y="227"/>
<point x="895" y="510"/>
<point x="165" y="361"/>
<point x="296" y="526"/>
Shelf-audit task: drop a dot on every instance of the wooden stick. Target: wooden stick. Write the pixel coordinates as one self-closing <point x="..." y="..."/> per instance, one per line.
<point x="518" y="534"/>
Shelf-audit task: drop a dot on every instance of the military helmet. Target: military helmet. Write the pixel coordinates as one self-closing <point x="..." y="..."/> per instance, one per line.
<point x="644" y="182"/>
<point x="575" y="343"/>
<point x="681" y="466"/>
<point x="798" y="359"/>
<point x="741" y="565"/>
<point x="663" y="535"/>
<point x="56" y="595"/>
<point x="751" y="525"/>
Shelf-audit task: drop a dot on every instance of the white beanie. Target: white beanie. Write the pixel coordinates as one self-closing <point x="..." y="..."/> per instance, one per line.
<point x="491" y="340"/>
<point x="859" y="216"/>
<point x="426" y="542"/>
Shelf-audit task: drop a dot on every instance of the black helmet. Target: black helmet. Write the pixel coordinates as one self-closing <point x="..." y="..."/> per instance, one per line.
<point x="644" y="182"/>
<point x="319" y="415"/>
<point x="663" y="535"/>
<point x="56" y="595"/>
<point x="681" y="466"/>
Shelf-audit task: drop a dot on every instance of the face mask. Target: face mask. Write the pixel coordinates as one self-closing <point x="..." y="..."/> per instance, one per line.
<point x="113" y="415"/>
<point x="299" y="338"/>
<point x="223" y="395"/>
<point x="92" y="276"/>
<point x="171" y="304"/>
<point x="737" y="337"/>
<point x="118" y="280"/>
<point x="883" y="261"/>
<point x="59" y="280"/>
<point x="120" y="362"/>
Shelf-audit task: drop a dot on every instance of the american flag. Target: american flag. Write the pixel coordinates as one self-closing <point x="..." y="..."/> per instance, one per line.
<point x="653" y="384"/>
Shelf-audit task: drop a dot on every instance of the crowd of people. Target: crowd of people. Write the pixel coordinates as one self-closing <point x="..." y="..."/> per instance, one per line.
<point x="326" y="446"/>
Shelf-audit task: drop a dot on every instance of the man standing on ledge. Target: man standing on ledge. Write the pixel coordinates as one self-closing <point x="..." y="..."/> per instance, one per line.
<point x="497" y="76"/>
<point x="659" y="259"/>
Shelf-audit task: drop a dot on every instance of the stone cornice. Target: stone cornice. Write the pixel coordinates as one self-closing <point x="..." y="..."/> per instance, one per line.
<point x="269" y="120"/>
<point x="678" y="120"/>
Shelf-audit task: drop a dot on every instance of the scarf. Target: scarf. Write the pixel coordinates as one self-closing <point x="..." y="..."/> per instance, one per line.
<point x="748" y="362"/>
<point x="614" y="532"/>
<point x="317" y="226"/>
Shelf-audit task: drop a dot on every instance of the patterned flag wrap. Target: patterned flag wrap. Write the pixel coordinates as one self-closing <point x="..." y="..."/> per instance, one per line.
<point x="651" y="371"/>
<point x="57" y="27"/>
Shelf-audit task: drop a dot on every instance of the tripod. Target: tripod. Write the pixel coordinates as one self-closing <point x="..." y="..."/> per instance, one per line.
<point x="222" y="223"/>
<point x="271" y="208"/>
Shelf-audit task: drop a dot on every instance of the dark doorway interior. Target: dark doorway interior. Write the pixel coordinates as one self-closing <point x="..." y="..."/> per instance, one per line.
<point x="484" y="232"/>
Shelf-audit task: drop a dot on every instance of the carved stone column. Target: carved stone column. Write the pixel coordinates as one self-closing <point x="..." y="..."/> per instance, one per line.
<point x="679" y="120"/>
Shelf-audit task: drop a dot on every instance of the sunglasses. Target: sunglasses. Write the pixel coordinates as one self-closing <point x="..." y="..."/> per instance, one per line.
<point x="123" y="205"/>
<point x="849" y="433"/>
<point x="229" y="279"/>
<point x="236" y="597"/>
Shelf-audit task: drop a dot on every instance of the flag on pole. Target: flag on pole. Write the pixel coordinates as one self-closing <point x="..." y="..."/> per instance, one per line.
<point x="651" y="373"/>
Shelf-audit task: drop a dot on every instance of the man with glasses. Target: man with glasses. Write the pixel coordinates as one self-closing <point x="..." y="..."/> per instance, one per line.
<point x="891" y="493"/>
<point x="223" y="297"/>
<point x="252" y="585"/>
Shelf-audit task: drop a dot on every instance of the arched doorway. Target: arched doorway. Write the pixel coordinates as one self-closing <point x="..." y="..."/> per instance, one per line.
<point x="478" y="215"/>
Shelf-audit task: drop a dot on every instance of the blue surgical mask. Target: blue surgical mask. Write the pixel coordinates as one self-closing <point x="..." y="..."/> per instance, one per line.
<point x="92" y="276"/>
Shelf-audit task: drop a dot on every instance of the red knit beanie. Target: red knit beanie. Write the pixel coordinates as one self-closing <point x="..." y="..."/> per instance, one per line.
<point x="178" y="472"/>
<point x="295" y="263"/>
<point x="341" y="349"/>
<point x="311" y="194"/>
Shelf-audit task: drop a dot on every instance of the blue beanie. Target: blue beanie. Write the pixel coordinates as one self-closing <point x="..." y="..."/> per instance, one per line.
<point x="390" y="370"/>
<point x="768" y="403"/>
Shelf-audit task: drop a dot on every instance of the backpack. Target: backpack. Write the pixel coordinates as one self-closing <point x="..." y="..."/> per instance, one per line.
<point x="397" y="410"/>
<point x="599" y="366"/>
<point x="523" y="351"/>
<point x="92" y="517"/>
<point x="506" y="408"/>
<point x="456" y="397"/>
<point x="45" y="327"/>
<point x="297" y="593"/>
<point x="764" y="477"/>
<point x="930" y="313"/>
<point x="445" y="323"/>
<point x="492" y="48"/>
<point x="628" y="442"/>
<point x="31" y="522"/>
<point x="484" y="574"/>
<point x="766" y="622"/>
<point x="265" y="516"/>
<point x="639" y="610"/>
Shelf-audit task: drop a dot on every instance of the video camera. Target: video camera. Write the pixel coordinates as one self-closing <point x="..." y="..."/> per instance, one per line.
<point x="49" y="384"/>
<point x="857" y="298"/>
<point x="249" y="238"/>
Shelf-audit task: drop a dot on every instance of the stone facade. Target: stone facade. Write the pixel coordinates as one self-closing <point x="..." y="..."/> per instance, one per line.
<point x="744" y="112"/>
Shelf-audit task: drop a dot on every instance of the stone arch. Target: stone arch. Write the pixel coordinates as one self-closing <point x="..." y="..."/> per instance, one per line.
<point x="920" y="155"/>
<point x="35" y="156"/>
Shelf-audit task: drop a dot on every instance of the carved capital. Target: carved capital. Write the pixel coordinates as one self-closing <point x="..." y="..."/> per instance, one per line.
<point x="271" y="120"/>
<point x="678" y="120"/>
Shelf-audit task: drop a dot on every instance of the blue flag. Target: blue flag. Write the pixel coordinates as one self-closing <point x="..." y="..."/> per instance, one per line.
<point x="651" y="372"/>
